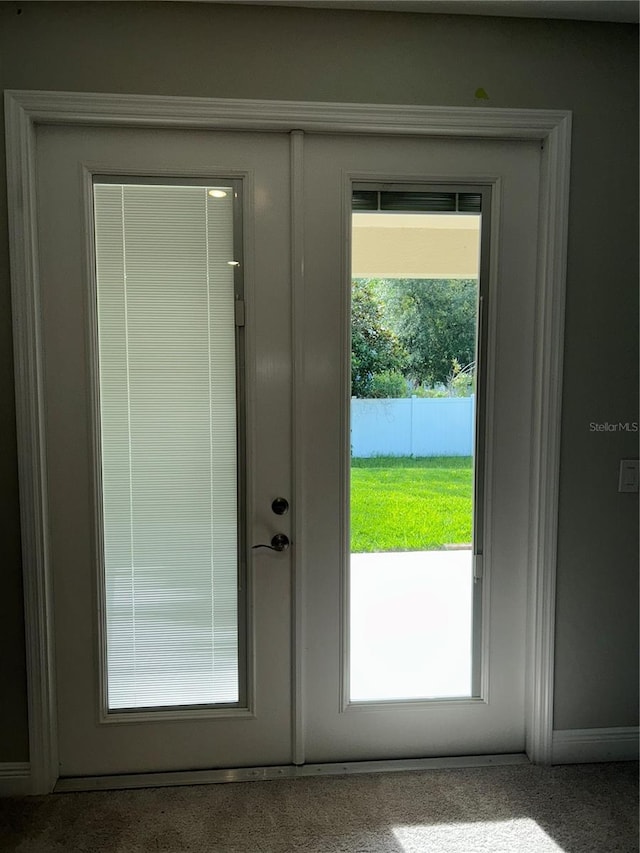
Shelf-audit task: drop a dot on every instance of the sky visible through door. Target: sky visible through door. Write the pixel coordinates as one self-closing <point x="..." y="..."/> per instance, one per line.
<point x="414" y="306"/>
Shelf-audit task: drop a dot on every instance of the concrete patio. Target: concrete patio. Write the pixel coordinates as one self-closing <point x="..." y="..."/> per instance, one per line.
<point x="411" y="625"/>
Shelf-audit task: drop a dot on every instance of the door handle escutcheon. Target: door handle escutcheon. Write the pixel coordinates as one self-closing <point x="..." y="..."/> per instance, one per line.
<point x="280" y="542"/>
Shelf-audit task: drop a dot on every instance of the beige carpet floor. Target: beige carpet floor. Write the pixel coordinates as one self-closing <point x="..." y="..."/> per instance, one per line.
<point x="518" y="809"/>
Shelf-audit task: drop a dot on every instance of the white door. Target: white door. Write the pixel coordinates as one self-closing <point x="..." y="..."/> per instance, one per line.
<point x="487" y="716"/>
<point x="167" y="429"/>
<point x="109" y="172"/>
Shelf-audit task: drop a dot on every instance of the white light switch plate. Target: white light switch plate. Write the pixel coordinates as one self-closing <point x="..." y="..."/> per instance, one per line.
<point x="628" y="479"/>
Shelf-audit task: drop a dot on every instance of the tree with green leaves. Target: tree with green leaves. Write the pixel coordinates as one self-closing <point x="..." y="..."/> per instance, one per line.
<point x="375" y="349"/>
<point x="434" y="321"/>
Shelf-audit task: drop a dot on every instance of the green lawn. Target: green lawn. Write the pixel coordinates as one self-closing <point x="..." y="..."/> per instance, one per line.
<point x="400" y="503"/>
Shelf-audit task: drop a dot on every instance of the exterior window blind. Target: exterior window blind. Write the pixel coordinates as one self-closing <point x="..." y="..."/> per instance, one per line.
<point x="411" y="201"/>
<point x="167" y="381"/>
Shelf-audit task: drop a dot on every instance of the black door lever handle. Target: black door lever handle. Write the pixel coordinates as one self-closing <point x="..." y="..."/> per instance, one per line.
<point x="280" y="542"/>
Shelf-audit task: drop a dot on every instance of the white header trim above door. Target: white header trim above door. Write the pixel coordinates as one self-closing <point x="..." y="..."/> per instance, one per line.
<point x="552" y="128"/>
<point x="44" y="107"/>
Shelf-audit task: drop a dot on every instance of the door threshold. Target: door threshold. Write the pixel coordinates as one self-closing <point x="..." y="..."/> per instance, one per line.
<point x="286" y="771"/>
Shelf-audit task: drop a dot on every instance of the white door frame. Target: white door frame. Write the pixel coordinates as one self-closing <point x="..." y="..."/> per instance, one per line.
<point x="25" y="110"/>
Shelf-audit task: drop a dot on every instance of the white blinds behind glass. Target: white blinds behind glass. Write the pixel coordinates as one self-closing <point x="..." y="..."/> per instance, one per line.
<point x="168" y="421"/>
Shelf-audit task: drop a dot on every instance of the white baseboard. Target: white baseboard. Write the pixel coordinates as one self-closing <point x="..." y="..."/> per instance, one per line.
<point x="581" y="746"/>
<point x="15" y="778"/>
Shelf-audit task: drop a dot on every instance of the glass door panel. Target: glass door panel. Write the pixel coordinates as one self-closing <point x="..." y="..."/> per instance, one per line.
<point x="167" y="279"/>
<point x="415" y="270"/>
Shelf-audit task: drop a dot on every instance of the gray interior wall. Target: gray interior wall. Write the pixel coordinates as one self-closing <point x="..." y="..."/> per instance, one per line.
<point x="310" y="54"/>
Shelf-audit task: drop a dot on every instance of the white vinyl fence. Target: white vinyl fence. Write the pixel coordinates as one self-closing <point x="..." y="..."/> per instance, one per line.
<point x="415" y="426"/>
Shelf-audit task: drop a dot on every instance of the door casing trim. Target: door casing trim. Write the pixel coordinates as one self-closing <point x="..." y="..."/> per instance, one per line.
<point x="25" y="110"/>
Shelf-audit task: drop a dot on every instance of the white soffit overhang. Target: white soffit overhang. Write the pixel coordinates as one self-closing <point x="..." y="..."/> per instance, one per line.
<point x="415" y="245"/>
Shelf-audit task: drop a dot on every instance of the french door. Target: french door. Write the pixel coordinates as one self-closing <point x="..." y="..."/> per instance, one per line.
<point x="490" y="717"/>
<point x="267" y="679"/>
<point x="168" y="432"/>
